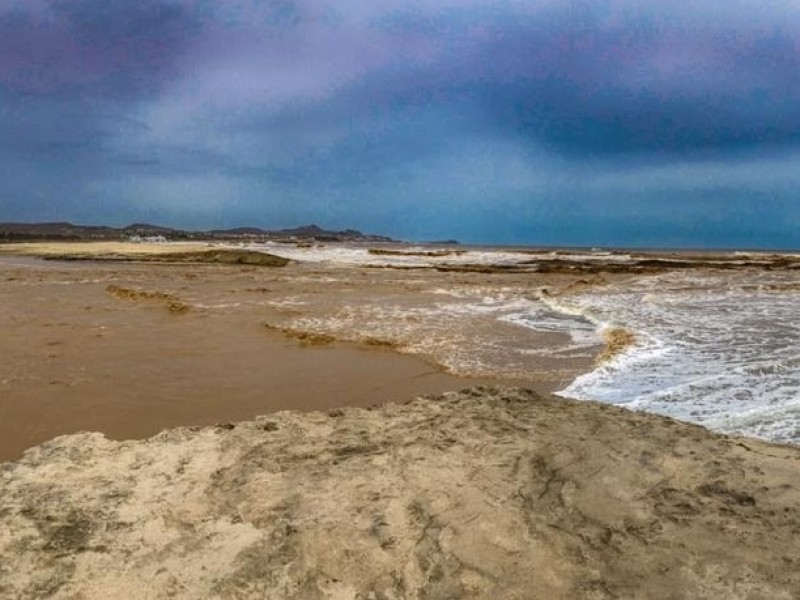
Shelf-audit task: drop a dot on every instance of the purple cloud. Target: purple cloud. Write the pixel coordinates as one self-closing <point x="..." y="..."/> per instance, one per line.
<point x="299" y="99"/>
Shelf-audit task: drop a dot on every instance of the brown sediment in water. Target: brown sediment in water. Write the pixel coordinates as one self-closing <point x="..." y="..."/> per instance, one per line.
<point x="313" y="338"/>
<point x="618" y="340"/>
<point x="640" y="265"/>
<point x="307" y="338"/>
<point x="78" y="354"/>
<point x="378" y="342"/>
<point x="75" y="356"/>
<point x="398" y="267"/>
<point x="575" y="287"/>
<point x="222" y="257"/>
<point x="558" y="262"/>
<point x="175" y="305"/>
<point x="773" y="287"/>
<point x="482" y="268"/>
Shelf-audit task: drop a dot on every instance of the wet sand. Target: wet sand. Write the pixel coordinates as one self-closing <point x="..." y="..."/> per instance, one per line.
<point x="78" y="358"/>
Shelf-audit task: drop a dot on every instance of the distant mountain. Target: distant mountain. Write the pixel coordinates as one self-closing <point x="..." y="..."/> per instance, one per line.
<point x="318" y="233"/>
<point x="239" y="231"/>
<point x="146" y="228"/>
<point x="304" y="231"/>
<point x="69" y="231"/>
<point x="54" y="230"/>
<point x="48" y="227"/>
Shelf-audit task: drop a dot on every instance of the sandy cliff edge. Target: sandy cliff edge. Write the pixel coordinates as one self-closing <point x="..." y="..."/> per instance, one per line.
<point x="486" y="492"/>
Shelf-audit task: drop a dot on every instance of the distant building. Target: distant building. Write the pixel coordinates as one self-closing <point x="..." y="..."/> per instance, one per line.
<point x="147" y="239"/>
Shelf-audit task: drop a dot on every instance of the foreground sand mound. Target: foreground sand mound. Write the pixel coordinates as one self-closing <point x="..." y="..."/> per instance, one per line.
<point x="481" y="493"/>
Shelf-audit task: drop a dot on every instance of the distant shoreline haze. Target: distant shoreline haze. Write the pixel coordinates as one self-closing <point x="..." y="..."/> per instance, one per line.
<point x="67" y="231"/>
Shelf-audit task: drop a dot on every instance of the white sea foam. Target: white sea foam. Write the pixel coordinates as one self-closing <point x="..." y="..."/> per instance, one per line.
<point x="216" y="306"/>
<point x="459" y="330"/>
<point x="412" y="256"/>
<point x="344" y="254"/>
<point x="541" y="317"/>
<point x="722" y="351"/>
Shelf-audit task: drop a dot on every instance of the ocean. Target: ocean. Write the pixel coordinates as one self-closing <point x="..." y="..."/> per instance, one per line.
<point x="716" y="347"/>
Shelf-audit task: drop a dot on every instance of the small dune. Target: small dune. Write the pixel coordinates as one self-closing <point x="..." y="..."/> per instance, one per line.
<point x="483" y="493"/>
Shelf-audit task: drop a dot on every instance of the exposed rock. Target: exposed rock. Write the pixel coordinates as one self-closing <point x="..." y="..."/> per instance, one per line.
<point x="482" y="493"/>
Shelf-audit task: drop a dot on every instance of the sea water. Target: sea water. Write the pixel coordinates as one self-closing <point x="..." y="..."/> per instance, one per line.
<point x="718" y="349"/>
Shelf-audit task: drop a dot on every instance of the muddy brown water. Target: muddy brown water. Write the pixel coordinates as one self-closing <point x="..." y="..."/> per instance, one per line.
<point x="74" y="357"/>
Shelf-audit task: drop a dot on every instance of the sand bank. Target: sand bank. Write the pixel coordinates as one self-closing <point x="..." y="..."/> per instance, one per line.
<point x="481" y="494"/>
<point x="45" y="249"/>
<point x="180" y="252"/>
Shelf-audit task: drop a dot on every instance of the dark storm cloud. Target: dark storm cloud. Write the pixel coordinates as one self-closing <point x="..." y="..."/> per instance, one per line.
<point x="587" y="86"/>
<point x="111" y="47"/>
<point x="580" y="77"/>
<point x="452" y="110"/>
<point x="593" y="78"/>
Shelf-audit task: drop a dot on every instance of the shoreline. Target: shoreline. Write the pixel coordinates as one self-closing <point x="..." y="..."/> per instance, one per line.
<point x="129" y="350"/>
<point x="143" y="288"/>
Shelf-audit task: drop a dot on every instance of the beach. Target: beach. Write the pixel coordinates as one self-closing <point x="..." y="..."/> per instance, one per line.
<point x="295" y="429"/>
<point x="485" y="493"/>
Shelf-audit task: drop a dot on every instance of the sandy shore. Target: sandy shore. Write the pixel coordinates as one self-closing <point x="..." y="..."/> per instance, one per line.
<point x="480" y="494"/>
<point x="99" y="249"/>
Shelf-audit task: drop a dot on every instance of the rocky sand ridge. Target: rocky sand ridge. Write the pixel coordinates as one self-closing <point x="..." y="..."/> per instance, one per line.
<point x="488" y="493"/>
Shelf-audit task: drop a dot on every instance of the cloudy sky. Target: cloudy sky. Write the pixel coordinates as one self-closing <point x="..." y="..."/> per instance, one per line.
<point x="618" y="122"/>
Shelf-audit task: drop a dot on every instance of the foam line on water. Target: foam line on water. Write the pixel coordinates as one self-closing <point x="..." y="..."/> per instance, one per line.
<point x="718" y="350"/>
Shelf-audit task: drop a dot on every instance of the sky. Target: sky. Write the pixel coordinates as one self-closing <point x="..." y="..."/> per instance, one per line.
<point x="598" y="123"/>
